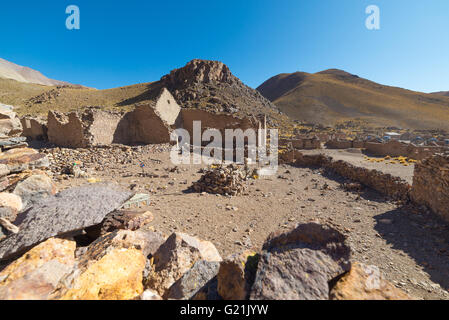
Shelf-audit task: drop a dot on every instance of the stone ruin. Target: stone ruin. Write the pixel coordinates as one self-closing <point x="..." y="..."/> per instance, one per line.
<point x="431" y="184"/>
<point x="150" y="122"/>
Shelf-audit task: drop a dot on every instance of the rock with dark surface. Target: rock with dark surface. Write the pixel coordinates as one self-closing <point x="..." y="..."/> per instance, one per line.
<point x="193" y="280"/>
<point x="36" y="274"/>
<point x="68" y="211"/>
<point x="364" y="282"/>
<point x="297" y="265"/>
<point x="33" y="188"/>
<point x="236" y="275"/>
<point x="144" y="240"/>
<point x="120" y="220"/>
<point x="175" y="257"/>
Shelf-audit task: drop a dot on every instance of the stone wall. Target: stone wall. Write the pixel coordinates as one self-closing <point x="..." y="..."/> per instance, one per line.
<point x="66" y="130"/>
<point x="34" y="128"/>
<point x="302" y="143"/>
<point x="431" y="184"/>
<point x="392" y="148"/>
<point x="393" y="187"/>
<point x="214" y="121"/>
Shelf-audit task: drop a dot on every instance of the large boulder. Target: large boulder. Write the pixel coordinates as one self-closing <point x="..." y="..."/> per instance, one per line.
<point x="20" y="159"/>
<point x="193" y="281"/>
<point x="175" y="257"/>
<point x="10" y="125"/>
<point x="111" y="268"/>
<point x="10" y="206"/>
<point x="236" y="275"/>
<point x="299" y="264"/>
<point x="114" y="275"/>
<point x="33" y="188"/>
<point x="364" y="282"/>
<point x="65" y="213"/>
<point x="36" y="274"/>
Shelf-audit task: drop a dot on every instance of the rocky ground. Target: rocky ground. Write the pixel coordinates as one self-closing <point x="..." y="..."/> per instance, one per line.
<point x="407" y="244"/>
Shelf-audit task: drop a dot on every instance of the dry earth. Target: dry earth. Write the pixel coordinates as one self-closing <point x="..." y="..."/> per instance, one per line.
<point x="408" y="244"/>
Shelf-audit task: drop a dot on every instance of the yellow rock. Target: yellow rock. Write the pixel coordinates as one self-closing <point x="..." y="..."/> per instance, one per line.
<point x="364" y="282"/>
<point x="115" y="276"/>
<point x="36" y="274"/>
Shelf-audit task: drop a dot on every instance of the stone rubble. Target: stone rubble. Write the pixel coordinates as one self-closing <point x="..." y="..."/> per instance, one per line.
<point x="224" y="180"/>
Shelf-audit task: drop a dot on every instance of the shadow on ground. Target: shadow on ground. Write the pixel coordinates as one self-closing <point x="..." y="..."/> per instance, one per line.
<point x="423" y="236"/>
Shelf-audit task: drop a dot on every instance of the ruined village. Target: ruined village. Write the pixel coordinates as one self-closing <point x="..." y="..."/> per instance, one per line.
<point x="93" y="208"/>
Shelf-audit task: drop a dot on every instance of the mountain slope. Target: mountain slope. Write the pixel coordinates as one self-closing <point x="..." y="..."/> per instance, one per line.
<point x="442" y="93"/>
<point x="335" y="96"/>
<point x="201" y="84"/>
<point x="9" y="70"/>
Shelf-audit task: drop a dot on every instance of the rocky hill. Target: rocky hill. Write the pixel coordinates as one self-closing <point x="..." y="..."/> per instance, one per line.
<point x="334" y="96"/>
<point x="201" y="84"/>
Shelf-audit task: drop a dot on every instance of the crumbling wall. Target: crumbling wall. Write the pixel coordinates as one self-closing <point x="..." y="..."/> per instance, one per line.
<point x="66" y="130"/>
<point x="214" y="121"/>
<point x="337" y="144"/>
<point x="431" y="184"/>
<point x="102" y="127"/>
<point x="34" y="128"/>
<point x="393" y="187"/>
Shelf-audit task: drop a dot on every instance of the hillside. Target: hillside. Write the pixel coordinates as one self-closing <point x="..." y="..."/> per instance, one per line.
<point x="334" y="96"/>
<point x="9" y="70"/>
<point x="201" y="84"/>
<point x="442" y="93"/>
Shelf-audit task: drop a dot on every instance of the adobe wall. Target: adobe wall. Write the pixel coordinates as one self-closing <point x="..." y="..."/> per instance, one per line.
<point x="337" y="144"/>
<point x="34" y="128"/>
<point x="66" y="130"/>
<point x="431" y="184"/>
<point x="214" y="121"/>
<point x="101" y="127"/>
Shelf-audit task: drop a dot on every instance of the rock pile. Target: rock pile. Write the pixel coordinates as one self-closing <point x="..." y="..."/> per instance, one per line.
<point x="224" y="180"/>
<point x="127" y="260"/>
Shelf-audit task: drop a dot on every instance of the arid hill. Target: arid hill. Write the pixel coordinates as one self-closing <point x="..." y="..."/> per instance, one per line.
<point x="201" y="84"/>
<point x="9" y="70"/>
<point x="442" y="93"/>
<point x="334" y="96"/>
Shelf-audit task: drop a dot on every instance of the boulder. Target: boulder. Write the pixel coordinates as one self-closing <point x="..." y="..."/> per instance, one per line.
<point x="193" y="281"/>
<point x="111" y="268"/>
<point x="34" y="188"/>
<point x="36" y="274"/>
<point x="10" y="125"/>
<point x="150" y="295"/>
<point x="120" y="220"/>
<point x="236" y="275"/>
<point x="114" y="275"/>
<point x="174" y="258"/>
<point x="364" y="282"/>
<point x="144" y="240"/>
<point x="20" y="159"/>
<point x="10" y="206"/>
<point x="65" y="213"/>
<point x="297" y="265"/>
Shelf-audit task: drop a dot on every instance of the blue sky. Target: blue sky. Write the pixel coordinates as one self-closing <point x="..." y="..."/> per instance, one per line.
<point x="127" y="42"/>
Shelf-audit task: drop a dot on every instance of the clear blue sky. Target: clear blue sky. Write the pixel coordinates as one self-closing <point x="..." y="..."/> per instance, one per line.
<point x="127" y="42"/>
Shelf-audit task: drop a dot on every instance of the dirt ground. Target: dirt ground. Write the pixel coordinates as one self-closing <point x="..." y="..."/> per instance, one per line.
<point x="408" y="244"/>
